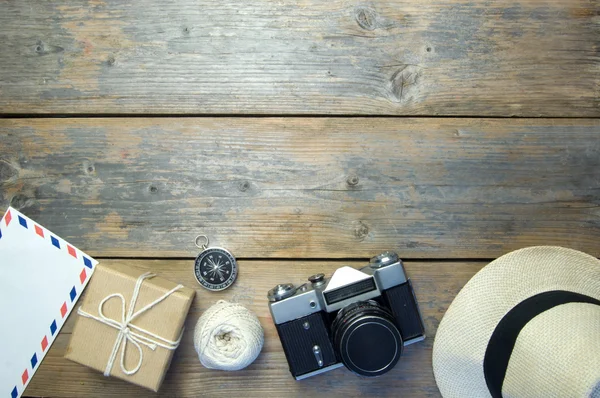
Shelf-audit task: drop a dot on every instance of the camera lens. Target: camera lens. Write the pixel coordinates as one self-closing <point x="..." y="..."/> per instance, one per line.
<point x="366" y="338"/>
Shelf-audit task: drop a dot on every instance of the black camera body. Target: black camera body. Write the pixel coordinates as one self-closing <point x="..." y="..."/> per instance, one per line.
<point x="358" y="318"/>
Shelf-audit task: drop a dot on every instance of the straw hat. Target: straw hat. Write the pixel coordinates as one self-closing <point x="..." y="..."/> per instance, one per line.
<point x="526" y="325"/>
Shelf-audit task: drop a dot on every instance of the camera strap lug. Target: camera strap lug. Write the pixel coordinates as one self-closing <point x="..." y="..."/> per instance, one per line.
<point x="318" y="355"/>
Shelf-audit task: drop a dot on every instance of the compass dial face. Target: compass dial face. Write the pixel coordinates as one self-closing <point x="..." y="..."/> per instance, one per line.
<point x="215" y="268"/>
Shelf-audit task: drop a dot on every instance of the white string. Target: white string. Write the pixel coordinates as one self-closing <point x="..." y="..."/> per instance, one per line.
<point x="124" y="327"/>
<point x="228" y="336"/>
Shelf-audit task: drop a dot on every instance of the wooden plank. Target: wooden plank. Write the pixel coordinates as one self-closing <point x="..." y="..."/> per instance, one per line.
<point x="435" y="284"/>
<point x="307" y="188"/>
<point x="398" y="57"/>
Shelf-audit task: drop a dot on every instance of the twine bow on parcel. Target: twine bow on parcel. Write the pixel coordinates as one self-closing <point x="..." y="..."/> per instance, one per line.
<point x="129" y="332"/>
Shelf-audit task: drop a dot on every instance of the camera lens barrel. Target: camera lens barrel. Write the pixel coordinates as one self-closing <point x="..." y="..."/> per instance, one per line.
<point x="366" y="338"/>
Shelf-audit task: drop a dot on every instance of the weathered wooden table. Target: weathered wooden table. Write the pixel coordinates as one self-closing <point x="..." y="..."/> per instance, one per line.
<point x="281" y="131"/>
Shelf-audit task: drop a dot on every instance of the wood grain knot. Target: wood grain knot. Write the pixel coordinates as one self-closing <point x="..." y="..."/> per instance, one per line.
<point x="244" y="186"/>
<point x="111" y="61"/>
<point x="405" y="84"/>
<point x="366" y="18"/>
<point x="352" y="180"/>
<point x="42" y="48"/>
<point x="361" y="230"/>
<point x="27" y="205"/>
<point x="6" y="171"/>
<point x="88" y="168"/>
<point x="153" y="189"/>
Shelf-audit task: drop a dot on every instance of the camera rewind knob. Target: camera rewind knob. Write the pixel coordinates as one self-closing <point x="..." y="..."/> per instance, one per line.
<point x="281" y="292"/>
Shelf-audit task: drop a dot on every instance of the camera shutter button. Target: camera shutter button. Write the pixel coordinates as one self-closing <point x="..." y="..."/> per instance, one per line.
<point x="383" y="259"/>
<point x="317" y="279"/>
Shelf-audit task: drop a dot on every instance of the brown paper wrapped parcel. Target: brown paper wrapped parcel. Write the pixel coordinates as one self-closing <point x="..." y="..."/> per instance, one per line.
<point x="129" y="325"/>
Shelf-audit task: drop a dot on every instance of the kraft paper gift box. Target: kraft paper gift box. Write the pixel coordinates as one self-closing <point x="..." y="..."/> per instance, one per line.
<point x="103" y="330"/>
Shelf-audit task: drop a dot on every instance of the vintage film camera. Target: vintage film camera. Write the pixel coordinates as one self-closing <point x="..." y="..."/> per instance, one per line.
<point x="358" y="318"/>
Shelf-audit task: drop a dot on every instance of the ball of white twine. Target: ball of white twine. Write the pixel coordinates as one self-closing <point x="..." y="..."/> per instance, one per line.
<point x="228" y="337"/>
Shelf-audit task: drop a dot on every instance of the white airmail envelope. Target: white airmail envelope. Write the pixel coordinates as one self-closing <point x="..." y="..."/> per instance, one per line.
<point x="41" y="279"/>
